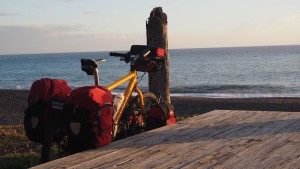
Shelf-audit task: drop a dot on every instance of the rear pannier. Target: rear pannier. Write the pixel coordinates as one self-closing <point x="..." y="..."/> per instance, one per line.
<point x="44" y="115"/>
<point x="90" y="119"/>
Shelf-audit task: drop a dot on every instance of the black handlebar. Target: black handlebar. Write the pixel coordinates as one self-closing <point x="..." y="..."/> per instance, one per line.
<point x="125" y="56"/>
<point x="119" y="54"/>
<point x="141" y="51"/>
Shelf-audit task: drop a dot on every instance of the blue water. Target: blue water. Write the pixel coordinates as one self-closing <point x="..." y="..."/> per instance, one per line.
<point x="208" y="72"/>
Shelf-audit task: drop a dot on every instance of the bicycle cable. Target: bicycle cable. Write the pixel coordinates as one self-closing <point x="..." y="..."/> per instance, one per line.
<point x="141" y="77"/>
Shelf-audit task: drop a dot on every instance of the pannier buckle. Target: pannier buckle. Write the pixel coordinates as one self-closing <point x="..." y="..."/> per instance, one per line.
<point x="57" y="105"/>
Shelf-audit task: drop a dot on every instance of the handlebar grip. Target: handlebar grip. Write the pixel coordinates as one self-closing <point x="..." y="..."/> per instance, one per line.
<point x="118" y="54"/>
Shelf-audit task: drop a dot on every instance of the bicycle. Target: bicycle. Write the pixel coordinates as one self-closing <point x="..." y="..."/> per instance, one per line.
<point x="130" y="118"/>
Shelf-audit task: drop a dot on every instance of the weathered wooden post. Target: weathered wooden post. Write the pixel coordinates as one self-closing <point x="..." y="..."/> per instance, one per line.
<point x="157" y="35"/>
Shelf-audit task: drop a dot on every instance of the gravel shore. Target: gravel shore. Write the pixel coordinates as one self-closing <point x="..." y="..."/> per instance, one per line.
<point x="14" y="102"/>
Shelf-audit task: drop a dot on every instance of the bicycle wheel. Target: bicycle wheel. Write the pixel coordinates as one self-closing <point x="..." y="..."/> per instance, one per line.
<point x="133" y="121"/>
<point x="138" y="123"/>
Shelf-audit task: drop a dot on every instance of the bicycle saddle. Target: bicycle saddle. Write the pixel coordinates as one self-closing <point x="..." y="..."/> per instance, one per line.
<point x="90" y="65"/>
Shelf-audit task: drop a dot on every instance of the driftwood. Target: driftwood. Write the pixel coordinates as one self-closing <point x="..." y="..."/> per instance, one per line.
<point x="157" y="35"/>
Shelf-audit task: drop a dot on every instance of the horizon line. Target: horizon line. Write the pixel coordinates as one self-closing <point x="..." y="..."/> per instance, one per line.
<point x="250" y="46"/>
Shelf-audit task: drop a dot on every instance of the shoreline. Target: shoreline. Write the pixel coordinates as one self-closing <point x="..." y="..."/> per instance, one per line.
<point x="14" y="102"/>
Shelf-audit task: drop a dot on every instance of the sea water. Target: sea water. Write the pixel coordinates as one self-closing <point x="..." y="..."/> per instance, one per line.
<point x="271" y="71"/>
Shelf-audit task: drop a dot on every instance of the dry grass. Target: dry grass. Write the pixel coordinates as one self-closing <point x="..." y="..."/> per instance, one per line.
<point x="18" y="152"/>
<point x="15" y="149"/>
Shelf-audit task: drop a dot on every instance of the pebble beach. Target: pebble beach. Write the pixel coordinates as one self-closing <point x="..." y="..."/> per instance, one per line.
<point x="14" y="102"/>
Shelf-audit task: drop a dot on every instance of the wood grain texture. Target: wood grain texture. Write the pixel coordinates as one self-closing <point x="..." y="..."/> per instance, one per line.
<point x="218" y="139"/>
<point x="157" y="35"/>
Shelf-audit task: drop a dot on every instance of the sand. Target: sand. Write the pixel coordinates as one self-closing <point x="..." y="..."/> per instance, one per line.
<point x="14" y="102"/>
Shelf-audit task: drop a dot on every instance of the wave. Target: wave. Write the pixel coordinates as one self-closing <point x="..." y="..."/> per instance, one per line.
<point x="237" y="91"/>
<point x="236" y="95"/>
<point x="218" y="91"/>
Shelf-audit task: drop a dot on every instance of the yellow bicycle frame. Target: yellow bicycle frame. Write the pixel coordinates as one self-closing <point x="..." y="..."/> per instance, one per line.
<point x="132" y="86"/>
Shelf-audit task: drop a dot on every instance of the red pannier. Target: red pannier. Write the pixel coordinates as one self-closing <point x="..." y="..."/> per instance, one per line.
<point x="159" y="115"/>
<point x="46" y="89"/>
<point x="90" y="114"/>
<point x="45" y="109"/>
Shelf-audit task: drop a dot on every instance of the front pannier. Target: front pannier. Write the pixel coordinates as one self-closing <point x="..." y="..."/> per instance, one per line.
<point x="159" y="115"/>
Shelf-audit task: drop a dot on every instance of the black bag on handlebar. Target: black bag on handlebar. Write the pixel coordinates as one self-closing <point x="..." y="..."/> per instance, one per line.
<point x="143" y="65"/>
<point x="156" y="53"/>
<point x="150" y="63"/>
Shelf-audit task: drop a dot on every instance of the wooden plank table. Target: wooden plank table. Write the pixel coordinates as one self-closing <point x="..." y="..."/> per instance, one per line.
<point x="218" y="139"/>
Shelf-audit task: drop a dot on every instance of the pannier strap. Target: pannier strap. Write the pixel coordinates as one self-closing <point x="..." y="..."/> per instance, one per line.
<point x="107" y="104"/>
<point x="58" y="105"/>
<point x="54" y="104"/>
<point x="32" y="99"/>
<point x="98" y="118"/>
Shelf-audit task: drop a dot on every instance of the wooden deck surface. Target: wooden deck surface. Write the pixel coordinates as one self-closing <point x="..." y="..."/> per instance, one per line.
<point x="218" y="139"/>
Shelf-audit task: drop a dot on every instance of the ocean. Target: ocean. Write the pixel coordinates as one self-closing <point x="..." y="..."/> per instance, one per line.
<point x="233" y="72"/>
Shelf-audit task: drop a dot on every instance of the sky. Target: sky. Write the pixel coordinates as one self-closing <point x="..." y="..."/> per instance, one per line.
<point x="54" y="26"/>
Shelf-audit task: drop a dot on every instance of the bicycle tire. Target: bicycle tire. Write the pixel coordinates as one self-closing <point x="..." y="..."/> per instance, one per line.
<point x="133" y="112"/>
<point x="149" y="100"/>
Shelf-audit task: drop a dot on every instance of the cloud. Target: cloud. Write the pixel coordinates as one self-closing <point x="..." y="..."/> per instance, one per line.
<point x="61" y="38"/>
<point x="69" y="1"/>
<point x="36" y="31"/>
<point x="293" y="18"/>
<point x="90" y="13"/>
<point x="2" y="14"/>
